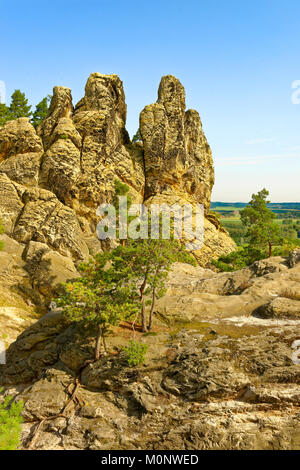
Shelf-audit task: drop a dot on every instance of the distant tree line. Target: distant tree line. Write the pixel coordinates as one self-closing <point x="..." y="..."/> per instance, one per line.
<point x="19" y="107"/>
<point x="258" y="234"/>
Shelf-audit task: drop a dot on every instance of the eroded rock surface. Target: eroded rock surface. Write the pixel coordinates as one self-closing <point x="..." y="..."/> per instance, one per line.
<point x="228" y="381"/>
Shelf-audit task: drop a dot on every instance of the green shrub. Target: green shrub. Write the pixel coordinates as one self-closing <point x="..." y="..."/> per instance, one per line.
<point x="135" y="353"/>
<point x="244" y="256"/>
<point x="10" y="423"/>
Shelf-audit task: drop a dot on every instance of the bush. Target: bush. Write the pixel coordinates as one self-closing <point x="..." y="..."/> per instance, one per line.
<point x="135" y="353"/>
<point x="290" y="294"/>
<point x="287" y="246"/>
<point x="244" y="256"/>
<point x="10" y="424"/>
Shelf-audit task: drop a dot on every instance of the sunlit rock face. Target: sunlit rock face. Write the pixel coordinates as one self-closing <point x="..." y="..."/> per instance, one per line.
<point x="178" y="159"/>
<point x="54" y="178"/>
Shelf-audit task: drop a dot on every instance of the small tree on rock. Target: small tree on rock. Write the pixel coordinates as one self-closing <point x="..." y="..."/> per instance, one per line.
<point x="146" y="264"/>
<point x="19" y="105"/>
<point x="99" y="298"/>
<point x="259" y="220"/>
<point x="5" y="114"/>
<point x="137" y="137"/>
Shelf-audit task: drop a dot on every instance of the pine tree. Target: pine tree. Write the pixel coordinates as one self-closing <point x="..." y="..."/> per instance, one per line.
<point x="262" y="230"/>
<point x="41" y="111"/>
<point x="19" y="105"/>
<point x="146" y="264"/>
<point x="5" y="114"/>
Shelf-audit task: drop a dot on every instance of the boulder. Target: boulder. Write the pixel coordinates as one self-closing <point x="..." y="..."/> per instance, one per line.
<point x="18" y="137"/>
<point x="280" y="307"/>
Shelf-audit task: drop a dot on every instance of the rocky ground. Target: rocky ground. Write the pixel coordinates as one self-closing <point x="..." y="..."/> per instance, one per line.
<point x="219" y="372"/>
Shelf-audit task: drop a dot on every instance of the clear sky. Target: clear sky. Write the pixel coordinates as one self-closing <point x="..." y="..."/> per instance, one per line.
<point x="237" y="60"/>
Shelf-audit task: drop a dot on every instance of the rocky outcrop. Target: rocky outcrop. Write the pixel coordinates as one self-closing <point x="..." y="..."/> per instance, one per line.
<point x="86" y="150"/>
<point x="20" y="152"/>
<point x="228" y="380"/>
<point x="178" y="162"/>
<point x="178" y="159"/>
<point x="294" y="258"/>
<point x="281" y="307"/>
<point x="53" y="180"/>
<point x="195" y="294"/>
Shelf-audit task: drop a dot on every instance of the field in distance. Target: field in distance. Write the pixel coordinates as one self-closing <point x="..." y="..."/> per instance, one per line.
<point x="287" y="215"/>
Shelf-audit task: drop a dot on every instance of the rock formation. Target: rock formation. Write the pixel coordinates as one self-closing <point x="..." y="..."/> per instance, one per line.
<point x="219" y="362"/>
<point x="52" y="181"/>
<point x="215" y="378"/>
<point x="178" y="159"/>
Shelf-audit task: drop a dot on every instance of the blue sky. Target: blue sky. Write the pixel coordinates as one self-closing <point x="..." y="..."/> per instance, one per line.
<point x="236" y="59"/>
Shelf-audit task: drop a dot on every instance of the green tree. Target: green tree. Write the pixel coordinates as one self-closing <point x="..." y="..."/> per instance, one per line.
<point x="10" y="423"/>
<point x="99" y="298"/>
<point x="19" y="105"/>
<point x="137" y="136"/>
<point x="262" y="230"/>
<point x="41" y="111"/>
<point x="5" y="114"/>
<point x="146" y="263"/>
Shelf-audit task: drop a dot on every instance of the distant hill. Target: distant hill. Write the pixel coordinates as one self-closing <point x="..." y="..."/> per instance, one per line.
<point x="281" y="209"/>
<point x="240" y="205"/>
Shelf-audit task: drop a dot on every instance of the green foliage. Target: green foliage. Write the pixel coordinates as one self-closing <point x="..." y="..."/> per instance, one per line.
<point x="121" y="189"/>
<point x="236" y="230"/>
<point x="10" y="423"/>
<point x="135" y="353"/>
<point x="99" y="298"/>
<point x="287" y="246"/>
<point x="146" y="263"/>
<point x="5" y="114"/>
<point x="244" y="256"/>
<point x="262" y="230"/>
<point x="137" y="137"/>
<point x="19" y="105"/>
<point x="41" y="111"/>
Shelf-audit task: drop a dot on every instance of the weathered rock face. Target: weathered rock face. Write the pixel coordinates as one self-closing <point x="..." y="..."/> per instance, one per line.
<point x="228" y="381"/>
<point x="178" y="159"/>
<point x="90" y="148"/>
<point x="52" y="181"/>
